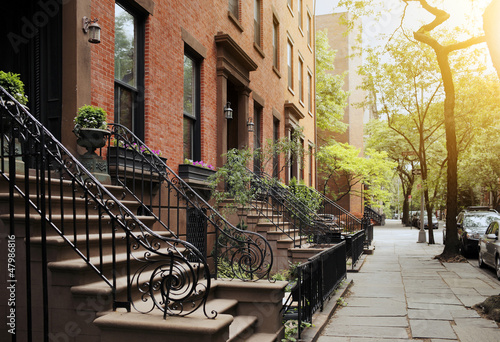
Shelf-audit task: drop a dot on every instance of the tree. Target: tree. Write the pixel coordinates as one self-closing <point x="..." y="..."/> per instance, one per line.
<point x="442" y="51"/>
<point x="331" y="100"/>
<point x="341" y="164"/>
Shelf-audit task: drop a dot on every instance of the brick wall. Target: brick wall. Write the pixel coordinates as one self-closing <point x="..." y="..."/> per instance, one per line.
<point x="164" y="49"/>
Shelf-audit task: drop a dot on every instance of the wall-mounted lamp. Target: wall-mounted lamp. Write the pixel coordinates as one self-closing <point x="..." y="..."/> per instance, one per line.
<point x="250" y="124"/>
<point x="93" y="29"/>
<point x="228" y="112"/>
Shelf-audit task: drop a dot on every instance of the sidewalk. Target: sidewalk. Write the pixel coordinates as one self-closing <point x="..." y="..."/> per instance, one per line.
<point x="401" y="293"/>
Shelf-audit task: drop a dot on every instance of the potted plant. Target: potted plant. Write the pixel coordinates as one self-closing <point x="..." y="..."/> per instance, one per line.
<point x="196" y="170"/>
<point x="90" y="128"/>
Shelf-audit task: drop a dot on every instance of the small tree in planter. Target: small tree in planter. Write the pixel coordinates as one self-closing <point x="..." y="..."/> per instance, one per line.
<point x="90" y="129"/>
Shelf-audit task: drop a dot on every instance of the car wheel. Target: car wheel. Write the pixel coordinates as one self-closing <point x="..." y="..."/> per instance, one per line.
<point x="497" y="264"/>
<point x="480" y="260"/>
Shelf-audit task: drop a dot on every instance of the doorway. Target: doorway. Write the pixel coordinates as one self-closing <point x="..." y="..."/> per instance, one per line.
<point x="31" y="40"/>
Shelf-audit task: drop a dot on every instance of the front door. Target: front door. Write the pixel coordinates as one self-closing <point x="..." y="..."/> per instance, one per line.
<point x="31" y="45"/>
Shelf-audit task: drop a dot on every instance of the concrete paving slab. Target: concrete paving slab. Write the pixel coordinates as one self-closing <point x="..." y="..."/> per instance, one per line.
<point x="437" y="290"/>
<point x="464" y="313"/>
<point x="366" y="331"/>
<point x="474" y="334"/>
<point x="371" y="321"/>
<point x="464" y="291"/>
<point x="379" y="291"/>
<point x="372" y="312"/>
<point x="477" y="322"/>
<point x="470" y="283"/>
<point x="359" y="339"/>
<point x="431" y="329"/>
<point x="435" y="298"/>
<point x="430" y="306"/>
<point x="423" y="283"/>
<point x="376" y="302"/>
<point x="471" y="300"/>
<point x="438" y="314"/>
<point x="488" y="291"/>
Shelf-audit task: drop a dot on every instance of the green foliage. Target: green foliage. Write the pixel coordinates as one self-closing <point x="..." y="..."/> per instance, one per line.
<point x="342" y="165"/>
<point x="236" y="178"/>
<point x="91" y="117"/>
<point x="331" y="99"/>
<point x="292" y="330"/>
<point x="304" y="194"/>
<point x="341" y="301"/>
<point x="14" y="86"/>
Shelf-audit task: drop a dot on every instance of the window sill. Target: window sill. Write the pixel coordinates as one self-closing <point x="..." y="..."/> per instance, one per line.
<point x="310" y="48"/>
<point x="276" y="71"/>
<point x="302" y="104"/>
<point x="301" y="31"/>
<point x="259" y="50"/>
<point x="235" y="21"/>
<point x="291" y="91"/>
<point x="291" y="11"/>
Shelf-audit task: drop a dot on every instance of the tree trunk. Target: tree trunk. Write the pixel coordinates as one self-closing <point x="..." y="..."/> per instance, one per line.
<point x="451" y="246"/>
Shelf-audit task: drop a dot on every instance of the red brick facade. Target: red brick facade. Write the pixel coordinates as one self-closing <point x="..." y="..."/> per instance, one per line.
<point x="166" y="29"/>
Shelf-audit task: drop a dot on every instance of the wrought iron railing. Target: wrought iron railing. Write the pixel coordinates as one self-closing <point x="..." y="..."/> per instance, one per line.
<point x="53" y="197"/>
<point x="373" y="215"/>
<point x="177" y="208"/>
<point x="317" y="280"/>
<point x="355" y="246"/>
<point x="342" y="218"/>
<point x="286" y="210"/>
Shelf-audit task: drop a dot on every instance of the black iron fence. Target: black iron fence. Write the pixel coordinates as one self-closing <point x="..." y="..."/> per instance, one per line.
<point x="129" y="239"/>
<point x="355" y="246"/>
<point x="317" y="280"/>
<point x="342" y="218"/>
<point x="373" y="215"/>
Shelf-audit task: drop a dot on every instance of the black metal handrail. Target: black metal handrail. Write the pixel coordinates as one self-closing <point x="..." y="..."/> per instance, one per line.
<point x="317" y="280"/>
<point x="341" y="217"/>
<point x="287" y="209"/>
<point x="373" y="215"/>
<point x="169" y="199"/>
<point x="355" y="244"/>
<point x="62" y="200"/>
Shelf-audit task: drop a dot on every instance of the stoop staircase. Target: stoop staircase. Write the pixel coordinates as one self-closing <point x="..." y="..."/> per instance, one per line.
<point x="112" y="263"/>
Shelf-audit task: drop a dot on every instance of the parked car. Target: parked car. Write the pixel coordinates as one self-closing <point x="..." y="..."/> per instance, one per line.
<point x="489" y="248"/>
<point x="415" y="221"/>
<point x="471" y="224"/>
<point x="434" y="222"/>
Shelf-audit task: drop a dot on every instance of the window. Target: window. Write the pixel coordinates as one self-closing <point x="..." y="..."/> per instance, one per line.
<point x="234" y="8"/>
<point x="299" y="13"/>
<point x="276" y="157"/>
<point x="191" y="126"/>
<point x="257" y="142"/>
<point x="311" y="161"/>
<point x="257" y="23"/>
<point x="290" y="64"/>
<point x="309" y="93"/>
<point x="300" y="79"/>
<point x="309" y="29"/>
<point x="276" y="35"/>
<point x="129" y="70"/>
<point x="290" y="4"/>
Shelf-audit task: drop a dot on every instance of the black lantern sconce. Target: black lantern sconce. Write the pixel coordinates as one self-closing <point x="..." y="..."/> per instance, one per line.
<point x="250" y="124"/>
<point x="93" y="29"/>
<point x="228" y="112"/>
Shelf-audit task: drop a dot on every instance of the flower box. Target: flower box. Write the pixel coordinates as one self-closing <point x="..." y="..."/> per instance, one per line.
<point x="130" y="159"/>
<point x="195" y="173"/>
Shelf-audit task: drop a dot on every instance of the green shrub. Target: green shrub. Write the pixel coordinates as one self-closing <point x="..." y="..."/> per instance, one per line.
<point x="91" y="117"/>
<point x="14" y="86"/>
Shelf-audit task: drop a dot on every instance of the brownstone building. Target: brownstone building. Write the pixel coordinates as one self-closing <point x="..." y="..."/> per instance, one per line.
<point x="353" y="116"/>
<point x="167" y="70"/>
